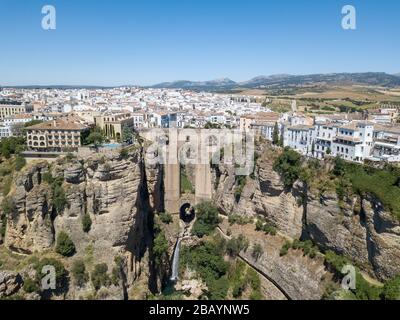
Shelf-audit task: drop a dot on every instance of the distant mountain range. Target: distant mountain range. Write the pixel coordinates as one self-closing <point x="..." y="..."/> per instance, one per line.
<point x="287" y="80"/>
<point x="260" y="82"/>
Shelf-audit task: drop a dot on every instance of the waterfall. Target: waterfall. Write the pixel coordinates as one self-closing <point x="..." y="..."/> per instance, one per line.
<point x="175" y="261"/>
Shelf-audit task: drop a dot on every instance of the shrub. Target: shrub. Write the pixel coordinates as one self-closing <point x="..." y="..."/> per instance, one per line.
<point x="257" y="251"/>
<point x="86" y="223"/>
<point x="239" y="219"/>
<point x="79" y="272"/>
<point x="30" y="285"/>
<point x="207" y="219"/>
<point x="235" y="245"/>
<point x="207" y="260"/>
<point x="240" y="184"/>
<point x="391" y="289"/>
<point x="165" y="217"/>
<point x="288" y="165"/>
<point x="124" y="154"/>
<point x="285" y="248"/>
<point x="64" y="245"/>
<point x="20" y="162"/>
<point x="335" y="261"/>
<point x="3" y="226"/>
<point x="160" y="248"/>
<point x="259" y="225"/>
<point x="100" y="277"/>
<point x="61" y="272"/>
<point x="7" y="182"/>
<point x="8" y="206"/>
<point x="59" y="200"/>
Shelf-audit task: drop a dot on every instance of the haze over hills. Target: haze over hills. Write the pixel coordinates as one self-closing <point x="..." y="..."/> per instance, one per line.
<point x="284" y="80"/>
<point x="273" y="81"/>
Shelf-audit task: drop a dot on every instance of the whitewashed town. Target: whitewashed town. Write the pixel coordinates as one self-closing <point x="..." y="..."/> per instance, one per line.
<point x="55" y="120"/>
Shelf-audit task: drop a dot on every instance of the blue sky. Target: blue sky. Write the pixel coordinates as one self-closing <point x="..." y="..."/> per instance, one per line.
<point x="104" y="42"/>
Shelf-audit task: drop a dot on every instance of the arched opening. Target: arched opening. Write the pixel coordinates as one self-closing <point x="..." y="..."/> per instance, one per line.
<point x="187" y="212"/>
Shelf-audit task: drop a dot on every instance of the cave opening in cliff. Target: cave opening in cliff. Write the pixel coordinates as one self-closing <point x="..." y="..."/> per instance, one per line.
<point x="187" y="212"/>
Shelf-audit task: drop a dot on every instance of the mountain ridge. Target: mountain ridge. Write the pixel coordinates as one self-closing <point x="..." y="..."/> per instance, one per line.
<point x="271" y="81"/>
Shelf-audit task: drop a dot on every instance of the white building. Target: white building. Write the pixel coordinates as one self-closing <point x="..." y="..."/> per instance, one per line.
<point x="354" y="141"/>
<point x="300" y="138"/>
<point x="5" y="131"/>
<point x="325" y="133"/>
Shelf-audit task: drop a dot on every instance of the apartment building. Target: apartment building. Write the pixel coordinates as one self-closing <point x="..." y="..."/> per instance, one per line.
<point x="386" y="143"/>
<point x="8" y="109"/>
<point x="325" y="133"/>
<point x="113" y="123"/>
<point x="5" y="131"/>
<point x="55" y="136"/>
<point x="16" y="119"/>
<point x="299" y="137"/>
<point x="354" y="141"/>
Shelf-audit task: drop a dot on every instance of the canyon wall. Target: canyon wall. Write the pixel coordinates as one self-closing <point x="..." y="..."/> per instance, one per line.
<point x="370" y="236"/>
<point x="119" y="194"/>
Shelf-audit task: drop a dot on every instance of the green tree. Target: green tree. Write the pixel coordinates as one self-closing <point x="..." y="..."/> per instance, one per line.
<point x="275" y="134"/>
<point x="207" y="219"/>
<point x="100" y="277"/>
<point x="96" y="138"/>
<point x="61" y="273"/>
<point x="391" y="289"/>
<point x="165" y="217"/>
<point x="59" y="198"/>
<point x="339" y="167"/>
<point x="86" y="223"/>
<point x="160" y="248"/>
<point x="64" y="245"/>
<point x="288" y="165"/>
<point x="79" y="272"/>
<point x="235" y="245"/>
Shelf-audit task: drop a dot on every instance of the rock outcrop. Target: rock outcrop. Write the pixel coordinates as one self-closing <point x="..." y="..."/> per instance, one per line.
<point x="370" y="237"/>
<point x="265" y="195"/>
<point x="10" y="283"/>
<point x="118" y="193"/>
<point x="360" y="229"/>
<point x="293" y="276"/>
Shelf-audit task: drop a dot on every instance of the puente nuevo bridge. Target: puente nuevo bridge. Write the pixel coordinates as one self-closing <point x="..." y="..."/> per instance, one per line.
<point x="178" y="147"/>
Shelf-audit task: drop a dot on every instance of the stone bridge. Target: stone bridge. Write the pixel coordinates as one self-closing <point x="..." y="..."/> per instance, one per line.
<point x="173" y="198"/>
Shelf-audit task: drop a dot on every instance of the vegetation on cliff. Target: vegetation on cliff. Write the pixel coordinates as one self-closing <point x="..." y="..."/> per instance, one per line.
<point x="343" y="177"/>
<point x="64" y="245"/>
<point x="288" y="165"/>
<point x="225" y="278"/>
<point x="207" y="219"/>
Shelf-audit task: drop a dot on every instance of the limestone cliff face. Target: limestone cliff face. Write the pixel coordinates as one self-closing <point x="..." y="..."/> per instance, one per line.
<point x="118" y="193"/>
<point x="292" y="276"/>
<point x="369" y="235"/>
<point x="371" y="238"/>
<point x="264" y="195"/>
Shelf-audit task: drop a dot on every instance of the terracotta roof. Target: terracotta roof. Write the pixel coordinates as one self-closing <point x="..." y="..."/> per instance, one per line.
<point x="57" y="125"/>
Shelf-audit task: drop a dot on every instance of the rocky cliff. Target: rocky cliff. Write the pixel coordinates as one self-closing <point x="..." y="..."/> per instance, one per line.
<point x="360" y="229"/>
<point x="119" y="193"/>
